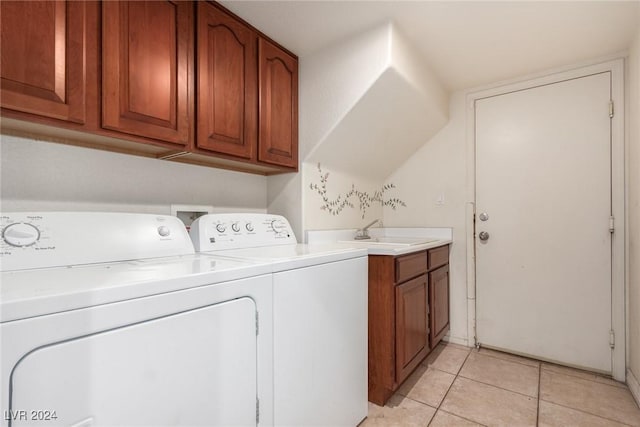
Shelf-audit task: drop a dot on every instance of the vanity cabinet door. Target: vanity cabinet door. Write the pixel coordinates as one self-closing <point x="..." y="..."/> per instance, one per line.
<point x="43" y="47"/>
<point x="412" y="326"/>
<point x="439" y="303"/>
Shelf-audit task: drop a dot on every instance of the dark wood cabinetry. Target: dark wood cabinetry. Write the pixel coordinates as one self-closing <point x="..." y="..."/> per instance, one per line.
<point x="227" y="87"/>
<point x="408" y="315"/>
<point x="145" y="68"/>
<point x="178" y="80"/>
<point x="278" y="78"/>
<point x="412" y="325"/>
<point x="43" y="47"/>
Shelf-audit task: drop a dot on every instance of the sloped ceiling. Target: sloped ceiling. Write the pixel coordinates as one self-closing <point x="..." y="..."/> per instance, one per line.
<point x="398" y="107"/>
<point x="467" y="43"/>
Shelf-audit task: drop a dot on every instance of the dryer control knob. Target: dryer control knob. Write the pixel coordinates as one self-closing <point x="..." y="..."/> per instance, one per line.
<point x="221" y="228"/>
<point x="164" y="231"/>
<point x="249" y="227"/>
<point x="21" y="234"/>
<point x="235" y="227"/>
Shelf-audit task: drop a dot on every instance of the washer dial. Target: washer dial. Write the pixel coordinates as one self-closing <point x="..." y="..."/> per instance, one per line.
<point x="278" y="226"/>
<point x="21" y="234"/>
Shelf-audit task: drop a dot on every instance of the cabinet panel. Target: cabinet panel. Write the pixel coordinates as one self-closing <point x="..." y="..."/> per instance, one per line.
<point x="412" y="333"/>
<point x="438" y="256"/>
<point x="145" y="86"/>
<point x="439" y="303"/>
<point x="227" y="108"/>
<point x="408" y="266"/>
<point x="278" y="116"/>
<point x="43" y="47"/>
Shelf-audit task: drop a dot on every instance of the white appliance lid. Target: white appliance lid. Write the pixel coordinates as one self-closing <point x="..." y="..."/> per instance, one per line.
<point x="29" y="293"/>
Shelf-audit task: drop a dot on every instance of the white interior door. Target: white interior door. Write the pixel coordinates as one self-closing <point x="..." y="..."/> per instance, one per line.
<point x="543" y="179"/>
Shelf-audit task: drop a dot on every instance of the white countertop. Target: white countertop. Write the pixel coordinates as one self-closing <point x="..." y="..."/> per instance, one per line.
<point x="436" y="237"/>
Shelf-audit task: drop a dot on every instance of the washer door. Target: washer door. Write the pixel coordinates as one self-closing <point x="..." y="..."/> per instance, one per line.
<point x="197" y="367"/>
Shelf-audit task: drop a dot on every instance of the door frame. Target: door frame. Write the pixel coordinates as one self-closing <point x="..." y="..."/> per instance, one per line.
<point x="618" y="193"/>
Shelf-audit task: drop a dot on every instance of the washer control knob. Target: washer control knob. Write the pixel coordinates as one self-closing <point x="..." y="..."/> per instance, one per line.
<point x="21" y="234"/>
<point x="235" y="227"/>
<point x="278" y="226"/>
<point x="249" y="227"/>
<point x="221" y="228"/>
<point x="164" y="231"/>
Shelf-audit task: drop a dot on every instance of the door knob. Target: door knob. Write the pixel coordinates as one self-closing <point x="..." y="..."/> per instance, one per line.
<point x="484" y="236"/>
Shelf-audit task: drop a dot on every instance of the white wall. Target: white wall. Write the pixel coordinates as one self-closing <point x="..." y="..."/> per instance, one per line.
<point x="38" y="175"/>
<point x="438" y="170"/>
<point x="366" y="105"/>
<point x="633" y="80"/>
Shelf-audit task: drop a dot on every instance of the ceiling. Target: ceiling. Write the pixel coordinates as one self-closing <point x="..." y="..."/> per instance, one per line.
<point x="467" y="44"/>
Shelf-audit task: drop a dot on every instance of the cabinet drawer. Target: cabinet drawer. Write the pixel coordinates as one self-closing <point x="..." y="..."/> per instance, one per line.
<point x="411" y="265"/>
<point x="438" y="256"/>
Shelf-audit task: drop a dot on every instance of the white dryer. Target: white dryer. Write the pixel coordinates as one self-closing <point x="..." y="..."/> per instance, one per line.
<point x="319" y="315"/>
<point x="111" y="319"/>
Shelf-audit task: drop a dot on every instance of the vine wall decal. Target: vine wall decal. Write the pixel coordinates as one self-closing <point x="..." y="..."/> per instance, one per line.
<point x="336" y="205"/>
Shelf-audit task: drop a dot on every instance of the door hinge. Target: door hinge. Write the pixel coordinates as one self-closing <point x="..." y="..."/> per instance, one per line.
<point x="612" y="339"/>
<point x="257" y="410"/>
<point x="612" y="225"/>
<point x="611" y="109"/>
<point x="257" y="324"/>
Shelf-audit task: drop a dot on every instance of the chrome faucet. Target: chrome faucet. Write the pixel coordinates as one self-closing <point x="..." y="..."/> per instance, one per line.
<point x="363" y="233"/>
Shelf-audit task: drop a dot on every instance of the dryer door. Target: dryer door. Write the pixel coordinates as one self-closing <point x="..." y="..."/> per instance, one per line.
<point x="197" y="367"/>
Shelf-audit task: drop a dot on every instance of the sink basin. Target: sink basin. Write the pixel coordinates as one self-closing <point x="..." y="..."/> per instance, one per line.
<point x="387" y="241"/>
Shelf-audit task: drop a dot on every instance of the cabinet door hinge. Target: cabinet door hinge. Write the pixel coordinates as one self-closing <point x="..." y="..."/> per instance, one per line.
<point x="612" y="339"/>
<point x="611" y="109"/>
<point x="612" y="225"/>
<point x="257" y="324"/>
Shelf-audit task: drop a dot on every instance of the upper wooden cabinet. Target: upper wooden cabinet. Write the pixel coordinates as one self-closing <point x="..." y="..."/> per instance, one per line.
<point x="145" y="68"/>
<point x="178" y="80"/>
<point x="278" y="138"/>
<point x="43" y="47"/>
<point x="227" y="86"/>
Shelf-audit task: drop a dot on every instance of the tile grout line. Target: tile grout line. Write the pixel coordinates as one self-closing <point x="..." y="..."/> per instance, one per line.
<point x="623" y="385"/>
<point x="449" y="389"/>
<point x="499" y="388"/>
<point x="459" y="416"/>
<point x="585" y="412"/>
<point x="507" y="360"/>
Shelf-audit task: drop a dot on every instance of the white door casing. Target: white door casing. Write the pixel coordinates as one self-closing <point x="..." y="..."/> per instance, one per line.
<point x="539" y="193"/>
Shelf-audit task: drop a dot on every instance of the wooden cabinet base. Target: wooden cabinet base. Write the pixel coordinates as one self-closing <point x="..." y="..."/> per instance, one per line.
<point x="408" y="315"/>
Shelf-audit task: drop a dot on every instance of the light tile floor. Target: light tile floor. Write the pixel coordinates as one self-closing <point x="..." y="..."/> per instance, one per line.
<point x="458" y="386"/>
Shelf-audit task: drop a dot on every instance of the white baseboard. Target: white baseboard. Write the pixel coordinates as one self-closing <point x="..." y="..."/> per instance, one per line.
<point x="634" y="386"/>
<point x="456" y="340"/>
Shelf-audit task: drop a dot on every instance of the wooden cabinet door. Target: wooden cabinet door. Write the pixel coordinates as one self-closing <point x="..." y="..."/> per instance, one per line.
<point x="412" y="327"/>
<point x="227" y="111"/>
<point x="43" y="47"/>
<point x="278" y="117"/>
<point x="439" y="303"/>
<point x="145" y="68"/>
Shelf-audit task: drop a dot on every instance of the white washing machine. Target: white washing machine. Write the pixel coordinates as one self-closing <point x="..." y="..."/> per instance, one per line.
<point x="111" y="319"/>
<point x="319" y="316"/>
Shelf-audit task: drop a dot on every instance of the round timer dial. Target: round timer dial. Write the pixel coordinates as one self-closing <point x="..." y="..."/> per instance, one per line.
<point x="278" y="226"/>
<point x="21" y="234"/>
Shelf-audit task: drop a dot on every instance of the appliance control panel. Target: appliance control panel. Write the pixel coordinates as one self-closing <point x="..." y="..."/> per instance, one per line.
<point x="58" y="239"/>
<point x="214" y="232"/>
